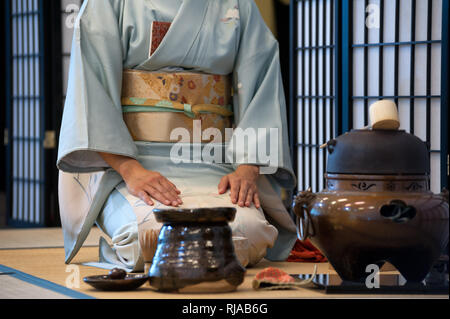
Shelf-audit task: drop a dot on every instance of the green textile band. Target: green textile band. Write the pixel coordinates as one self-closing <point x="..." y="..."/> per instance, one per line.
<point x="137" y="109"/>
<point x="163" y="108"/>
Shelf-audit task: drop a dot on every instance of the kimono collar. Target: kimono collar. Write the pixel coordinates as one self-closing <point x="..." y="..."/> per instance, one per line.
<point x="180" y="38"/>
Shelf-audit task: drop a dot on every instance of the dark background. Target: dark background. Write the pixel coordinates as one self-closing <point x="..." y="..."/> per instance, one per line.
<point x="2" y="123"/>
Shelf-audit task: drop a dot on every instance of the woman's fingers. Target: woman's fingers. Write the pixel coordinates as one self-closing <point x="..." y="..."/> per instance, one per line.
<point x="156" y="194"/>
<point x="166" y="193"/>
<point x="256" y="200"/>
<point x="235" y="185"/>
<point x="171" y="191"/>
<point x="174" y="187"/>
<point x="249" y="198"/>
<point x="243" y="190"/>
<point x="171" y="185"/>
<point x="146" y="198"/>
<point x="145" y="184"/>
<point x="223" y="185"/>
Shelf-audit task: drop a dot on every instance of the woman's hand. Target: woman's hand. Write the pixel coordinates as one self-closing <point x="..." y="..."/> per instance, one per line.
<point x="242" y="183"/>
<point x="143" y="183"/>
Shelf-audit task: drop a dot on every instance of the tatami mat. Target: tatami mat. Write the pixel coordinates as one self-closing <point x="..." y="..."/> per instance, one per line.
<point x="13" y="288"/>
<point x="48" y="264"/>
<point x="18" y="285"/>
<point x="41" y="238"/>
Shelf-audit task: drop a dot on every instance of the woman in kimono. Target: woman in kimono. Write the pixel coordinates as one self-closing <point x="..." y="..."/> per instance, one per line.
<point x="108" y="179"/>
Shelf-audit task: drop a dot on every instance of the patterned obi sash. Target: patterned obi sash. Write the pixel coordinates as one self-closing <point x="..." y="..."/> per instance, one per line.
<point x="154" y="104"/>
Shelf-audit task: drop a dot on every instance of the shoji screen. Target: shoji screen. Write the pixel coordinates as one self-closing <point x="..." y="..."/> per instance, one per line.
<point x="25" y="113"/>
<point x="32" y="91"/>
<point x="396" y="52"/>
<point x="315" y="98"/>
<point x="348" y="54"/>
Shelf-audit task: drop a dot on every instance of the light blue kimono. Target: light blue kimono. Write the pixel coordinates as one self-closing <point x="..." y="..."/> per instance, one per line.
<point x="210" y="36"/>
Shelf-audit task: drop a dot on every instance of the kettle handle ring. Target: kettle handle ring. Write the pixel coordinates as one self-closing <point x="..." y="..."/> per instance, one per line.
<point x="305" y="227"/>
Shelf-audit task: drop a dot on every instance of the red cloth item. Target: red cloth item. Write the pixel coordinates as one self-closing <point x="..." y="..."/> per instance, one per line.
<point x="273" y="279"/>
<point x="158" y="32"/>
<point x="304" y="251"/>
<point x="274" y="276"/>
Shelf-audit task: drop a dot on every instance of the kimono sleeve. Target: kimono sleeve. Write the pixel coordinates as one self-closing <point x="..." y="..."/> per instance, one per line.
<point x="92" y="118"/>
<point x="259" y="101"/>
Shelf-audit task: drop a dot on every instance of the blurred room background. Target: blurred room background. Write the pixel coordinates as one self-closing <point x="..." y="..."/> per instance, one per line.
<point x="37" y="36"/>
<point x="337" y="58"/>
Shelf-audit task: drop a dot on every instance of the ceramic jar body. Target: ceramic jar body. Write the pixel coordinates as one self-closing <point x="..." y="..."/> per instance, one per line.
<point x="196" y="257"/>
<point x="363" y="220"/>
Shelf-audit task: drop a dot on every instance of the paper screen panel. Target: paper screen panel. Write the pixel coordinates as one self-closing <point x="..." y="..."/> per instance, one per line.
<point x="27" y="136"/>
<point x="397" y="57"/>
<point x="394" y="62"/>
<point x="315" y="89"/>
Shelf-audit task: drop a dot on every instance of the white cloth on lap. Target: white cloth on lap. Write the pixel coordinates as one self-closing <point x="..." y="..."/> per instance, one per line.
<point x="124" y="214"/>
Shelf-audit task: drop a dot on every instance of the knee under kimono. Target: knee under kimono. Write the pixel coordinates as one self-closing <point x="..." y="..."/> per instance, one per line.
<point x="119" y="220"/>
<point x="124" y="215"/>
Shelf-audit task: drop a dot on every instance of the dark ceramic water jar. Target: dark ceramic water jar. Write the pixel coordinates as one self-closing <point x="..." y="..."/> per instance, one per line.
<point x="377" y="206"/>
<point x="195" y="252"/>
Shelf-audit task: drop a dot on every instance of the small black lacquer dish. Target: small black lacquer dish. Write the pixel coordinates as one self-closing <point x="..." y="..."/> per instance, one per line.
<point x="117" y="280"/>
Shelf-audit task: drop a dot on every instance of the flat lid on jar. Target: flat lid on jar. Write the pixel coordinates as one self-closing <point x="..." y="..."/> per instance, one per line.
<point x="378" y="152"/>
<point x="195" y="215"/>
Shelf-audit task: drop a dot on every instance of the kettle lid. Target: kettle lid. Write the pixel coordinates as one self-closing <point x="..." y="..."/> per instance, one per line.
<point x="378" y="152"/>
